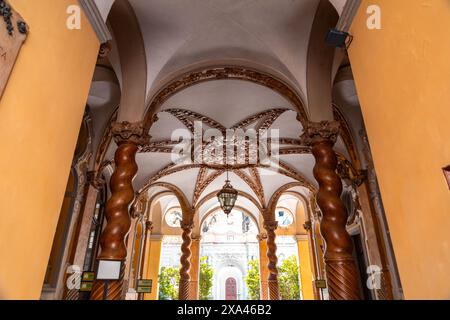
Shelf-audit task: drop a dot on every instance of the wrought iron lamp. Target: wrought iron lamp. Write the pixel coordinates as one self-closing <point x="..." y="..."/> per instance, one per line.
<point x="227" y="197"/>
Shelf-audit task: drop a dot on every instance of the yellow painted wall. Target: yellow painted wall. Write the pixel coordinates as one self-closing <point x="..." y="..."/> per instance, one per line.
<point x="306" y="269"/>
<point x="151" y="268"/>
<point x="402" y="75"/>
<point x="263" y="270"/>
<point x="40" y="116"/>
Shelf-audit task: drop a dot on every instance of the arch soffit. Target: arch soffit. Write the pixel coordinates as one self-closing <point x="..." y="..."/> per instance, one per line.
<point x="214" y="193"/>
<point x="213" y="73"/>
<point x="270" y="212"/>
<point x="217" y="208"/>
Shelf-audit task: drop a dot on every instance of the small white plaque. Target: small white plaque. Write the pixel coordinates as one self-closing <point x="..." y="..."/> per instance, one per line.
<point x="109" y="270"/>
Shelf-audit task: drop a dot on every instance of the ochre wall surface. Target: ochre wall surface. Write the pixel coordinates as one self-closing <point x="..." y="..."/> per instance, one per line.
<point x="152" y="264"/>
<point x="40" y="116"/>
<point x="306" y="269"/>
<point x="402" y="75"/>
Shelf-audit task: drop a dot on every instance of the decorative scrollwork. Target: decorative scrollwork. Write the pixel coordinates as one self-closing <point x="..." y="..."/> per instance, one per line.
<point x="130" y="132"/>
<point x="6" y="12"/>
<point x="316" y="131"/>
<point x="346" y="171"/>
<point x="220" y="73"/>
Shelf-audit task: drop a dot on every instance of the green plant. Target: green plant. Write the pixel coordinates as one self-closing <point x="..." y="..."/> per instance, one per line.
<point x="205" y="279"/>
<point x="252" y="279"/>
<point x="288" y="279"/>
<point x="169" y="279"/>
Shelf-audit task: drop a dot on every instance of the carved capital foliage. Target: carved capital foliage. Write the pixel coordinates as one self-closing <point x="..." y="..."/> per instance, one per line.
<point x="261" y="236"/>
<point x="307" y="225"/>
<point x="130" y="132"/>
<point x="271" y="225"/>
<point x="346" y="171"/>
<point x="187" y="225"/>
<point x="139" y="206"/>
<point x="320" y="131"/>
<point x="149" y="225"/>
<point x="196" y="237"/>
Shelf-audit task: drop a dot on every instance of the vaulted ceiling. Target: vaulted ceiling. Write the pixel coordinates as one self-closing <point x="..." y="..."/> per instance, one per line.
<point x="184" y="35"/>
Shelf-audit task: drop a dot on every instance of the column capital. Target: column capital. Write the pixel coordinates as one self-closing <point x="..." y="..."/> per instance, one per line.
<point x="271" y="225"/>
<point x="307" y="225"/>
<point x="149" y="225"/>
<point x="320" y="131"/>
<point x="130" y="132"/>
<point x="139" y="206"/>
<point x="261" y="236"/>
<point x="156" y="237"/>
<point x="188" y="225"/>
<point x="301" y="237"/>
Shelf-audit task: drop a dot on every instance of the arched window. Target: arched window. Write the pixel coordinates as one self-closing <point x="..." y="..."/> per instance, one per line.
<point x="173" y="218"/>
<point x="284" y="217"/>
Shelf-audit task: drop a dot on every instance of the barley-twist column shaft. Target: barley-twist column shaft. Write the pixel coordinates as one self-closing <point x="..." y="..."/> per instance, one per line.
<point x="274" y="291"/>
<point x="341" y="271"/>
<point x="183" y="293"/>
<point x="128" y="137"/>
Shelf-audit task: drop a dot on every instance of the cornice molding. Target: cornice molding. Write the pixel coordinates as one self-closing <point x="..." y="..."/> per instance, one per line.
<point x="348" y="14"/>
<point x="96" y="20"/>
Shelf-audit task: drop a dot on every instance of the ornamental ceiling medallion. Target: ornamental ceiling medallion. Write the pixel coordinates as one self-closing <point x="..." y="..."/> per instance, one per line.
<point x="13" y="32"/>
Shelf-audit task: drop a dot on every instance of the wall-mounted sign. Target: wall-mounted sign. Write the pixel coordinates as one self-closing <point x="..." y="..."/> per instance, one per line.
<point x="321" y="284"/>
<point x="88" y="276"/>
<point x="87" y="281"/>
<point x="13" y="32"/>
<point x="86" y="286"/>
<point x="144" y="286"/>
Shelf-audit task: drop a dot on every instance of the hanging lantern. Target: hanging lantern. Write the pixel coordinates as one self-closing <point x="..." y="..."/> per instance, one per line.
<point x="227" y="197"/>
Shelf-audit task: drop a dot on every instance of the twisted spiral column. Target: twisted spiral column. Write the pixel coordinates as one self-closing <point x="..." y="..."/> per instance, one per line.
<point x="274" y="290"/>
<point x="341" y="271"/>
<point x="112" y="239"/>
<point x="183" y="293"/>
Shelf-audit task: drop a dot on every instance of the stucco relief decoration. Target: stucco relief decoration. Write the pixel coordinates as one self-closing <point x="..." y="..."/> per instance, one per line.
<point x="317" y="131"/>
<point x="130" y="132"/>
<point x="13" y="33"/>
